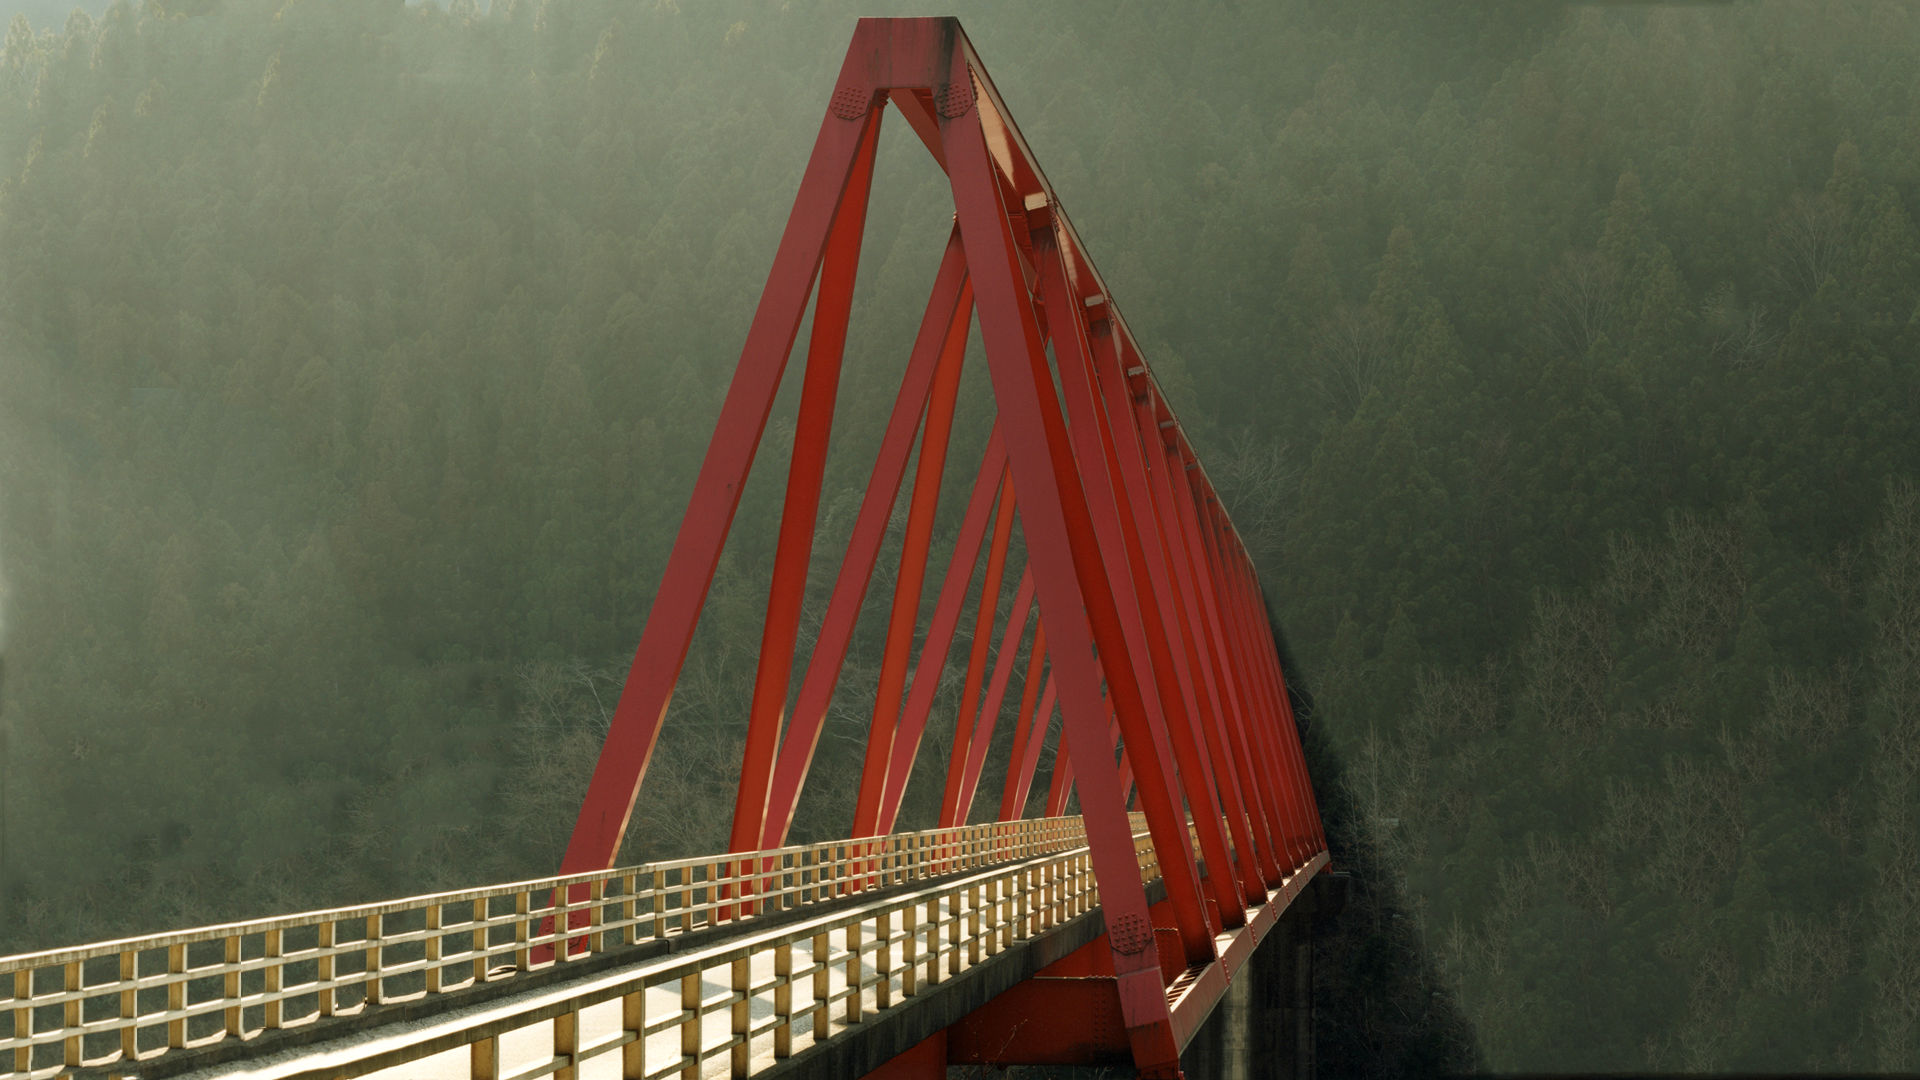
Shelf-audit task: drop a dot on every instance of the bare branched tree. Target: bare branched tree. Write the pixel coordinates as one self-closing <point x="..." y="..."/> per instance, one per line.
<point x="1633" y="570"/>
<point x="1896" y="830"/>
<point x="1698" y="828"/>
<point x="1450" y="704"/>
<point x="1353" y="354"/>
<point x="1628" y="824"/>
<point x="1702" y="578"/>
<point x="1568" y="658"/>
<point x="1897" y="649"/>
<point x="1741" y="335"/>
<point x="1809" y="710"/>
<point x="1579" y="302"/>
<point x="1806" y="244"/>
<point x="1258" y="481"/>
<point x="1806" y="956"/>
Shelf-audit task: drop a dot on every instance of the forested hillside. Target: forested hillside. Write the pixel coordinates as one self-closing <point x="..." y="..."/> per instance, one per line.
<point x="1560" y="364"/>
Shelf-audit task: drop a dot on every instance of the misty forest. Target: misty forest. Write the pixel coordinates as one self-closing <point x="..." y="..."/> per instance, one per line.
<point x="1560" y="365"/>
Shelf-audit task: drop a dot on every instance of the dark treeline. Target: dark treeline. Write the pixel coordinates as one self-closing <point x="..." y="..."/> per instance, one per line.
<point x="355" y="359"/>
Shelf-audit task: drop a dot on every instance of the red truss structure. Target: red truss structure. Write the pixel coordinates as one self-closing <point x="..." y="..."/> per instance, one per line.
<point x="1150" y="634"/>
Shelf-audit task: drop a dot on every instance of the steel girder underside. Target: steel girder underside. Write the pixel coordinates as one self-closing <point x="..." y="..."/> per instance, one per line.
<point x="1150" y="631"/>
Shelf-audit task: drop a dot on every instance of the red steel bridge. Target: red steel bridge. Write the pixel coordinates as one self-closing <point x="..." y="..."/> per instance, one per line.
<point x="1104" y="937"/>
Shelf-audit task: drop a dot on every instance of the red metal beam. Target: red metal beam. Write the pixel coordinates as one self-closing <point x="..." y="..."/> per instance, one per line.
<point x="965" y="715"/>
<point x="950" y="302"/>
<point x="996" y="693"/>
<point x="1176" y="742"/>
<point x="801" y="511"/>
<point x="1051" y="505"/>
<point x="1023" y="723"/>
<point x="1059" y="780"/>
<point x="1028" y="759"/>
<point x="925" y="1060"/>
<point x="929" y="471"/>
<point x="1206" y="588"/>
<point x="634" y="728"/>
<point x="933" y="652"/>
<point x="1144" y="481"/>
<point x="1045" y="1021"/>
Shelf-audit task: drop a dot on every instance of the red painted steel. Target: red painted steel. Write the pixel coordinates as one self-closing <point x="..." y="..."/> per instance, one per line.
<point x="1233" y="720"/>
<point x="952" y="301"/>
<point x="928" y="472"/>
<point x="933" y="653"/>
<point x="1051" y="503"/>
<point x="924" y="1060"/>
<point x="1256" y="727"/>
<point x="1023" y="723"/>
<point x="1059" y="780"/>
<point x="1145" y="484"/>
<point x="965" y="717"/>
<point x="996" y="693"/>
<point x="635" y="725"/>
<point x="1082" y="1025"/>
<point x="1151" y="636"/>
<point x="1138" y="604"/>
<point x="1264" y="716"/>
<point x="801" y="511"/>
<point x="1028" y="760"/>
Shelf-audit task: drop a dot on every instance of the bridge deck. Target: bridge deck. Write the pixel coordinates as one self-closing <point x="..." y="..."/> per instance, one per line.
<point x="127" y="1007"/>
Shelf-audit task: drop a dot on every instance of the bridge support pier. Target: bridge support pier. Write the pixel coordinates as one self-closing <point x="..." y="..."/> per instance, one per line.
<point x="1262" y="1028"/>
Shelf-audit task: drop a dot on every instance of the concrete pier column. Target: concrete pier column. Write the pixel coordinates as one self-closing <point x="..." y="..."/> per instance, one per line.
<point x="1262" y="1028"/>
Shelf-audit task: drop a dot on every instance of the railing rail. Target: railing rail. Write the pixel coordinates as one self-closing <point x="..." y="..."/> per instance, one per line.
<point x="136" y="998"/>
<point x="742" y="1004"/>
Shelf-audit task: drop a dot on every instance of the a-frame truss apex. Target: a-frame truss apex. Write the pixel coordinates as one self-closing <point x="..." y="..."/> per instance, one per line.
<point x="1151" y="633"/>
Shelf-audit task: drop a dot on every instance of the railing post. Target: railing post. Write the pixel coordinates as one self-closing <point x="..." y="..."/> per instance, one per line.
<point x="1005" y="919"/>
<point x="566" y="1043"/>
<point x="23" y="1019"/>
<point x="630" y="910"/>
<point x="482" y="911"/>
<point x="483" y="1062"/>
<point x="1050" y="894"/>
<point x="130" y="1006"/>
<point x="686" y="899"/>
<point x="657" y="902"/>
<point x="742" y="1016"/>
<point x="230" y="985"/>
<point x="176" y="995"/>
<point x="690" y="1027"/>
<point x="70" y="1015"/>
<point x="821" y="984"/>
<point x="973" y="926"/>
<point x="933" y="940"/>
<point x="633" y="1018"/>
<point x="522" y="929"/>
<point x="954" y="917"/>
<point x="375" y="993"/>
<point x="1023" y="904"/>
<point x="273" y="1010"/>
<point x="909" y="951"/>
<point x="325" y="997"/>
<point x="783" y="1000"/>
<point x="434" y="938"/>
<point x="883" y="960"/>
<point x="596" y="916"/>
<point x="854" y="990"/>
